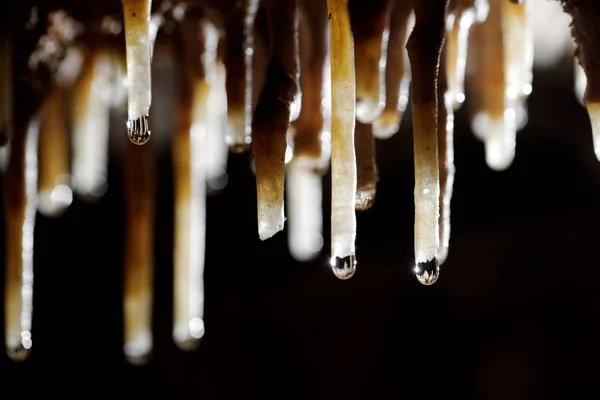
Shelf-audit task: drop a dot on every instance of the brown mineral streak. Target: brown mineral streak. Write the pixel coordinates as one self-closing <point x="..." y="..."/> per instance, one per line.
<point x="53" y="142"/>
<point x="451" y="48"/>
<point x="342" y="71"/>
<point x="234" y="59"/>
<point x="182" y="195"/>
<point x="312" y="30"/>
<point x="139" y="261"/>
<point x="486" y="81"/>
<point x="368" y="24"/>
<point x="396" y="67"/>
<point x="134" y="12"/>
<point x="272" y="114"/>
<point x="424" y="48"/>
<point x="81" y="90"/>
<point x="181" y="153"/>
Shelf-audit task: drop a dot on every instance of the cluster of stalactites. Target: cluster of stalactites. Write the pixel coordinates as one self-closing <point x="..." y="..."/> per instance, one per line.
<point x="307" y="84"/>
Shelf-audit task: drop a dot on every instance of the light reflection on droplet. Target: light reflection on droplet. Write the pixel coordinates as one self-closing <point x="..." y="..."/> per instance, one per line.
<point x="427" y="272"/>
<point x="343" y="268"/>
<point x="196" y="328"/>
<point x="138" y="130"/>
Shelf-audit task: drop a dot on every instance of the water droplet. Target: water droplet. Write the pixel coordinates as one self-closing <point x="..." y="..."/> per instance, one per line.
<point x="428" y="272"/>
<point x="138" y="130"/>
<point x="18" y="353"/>
<point x="365" y="198"/>
<point x="343" y="268"/>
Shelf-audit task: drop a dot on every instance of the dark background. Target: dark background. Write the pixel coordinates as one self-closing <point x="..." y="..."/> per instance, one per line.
<point x="513" y="315"/>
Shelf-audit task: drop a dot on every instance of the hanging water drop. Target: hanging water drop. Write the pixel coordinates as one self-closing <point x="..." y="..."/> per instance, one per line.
<point x="428" y="272"/>
<point x="343" y="268"/>
<point x="138" y="130"/>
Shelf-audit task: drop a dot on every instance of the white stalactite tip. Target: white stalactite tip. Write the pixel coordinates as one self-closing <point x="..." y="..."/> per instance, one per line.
<point x="271" y="219"/>
<point x="138" y="42"/>
<point x="305" y="226"/>
<point x="138" y="348"/>
<point x="500" y="142"/>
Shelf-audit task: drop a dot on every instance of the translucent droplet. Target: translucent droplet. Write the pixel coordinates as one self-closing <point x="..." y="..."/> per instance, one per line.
<point x="428" y="272"/>
<point x="365" y="198"/>
<point x="196" y="328"/>
<point x="138" y="130"/>
<point x="20" y="352"/>
<point x="343" y="268"/>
